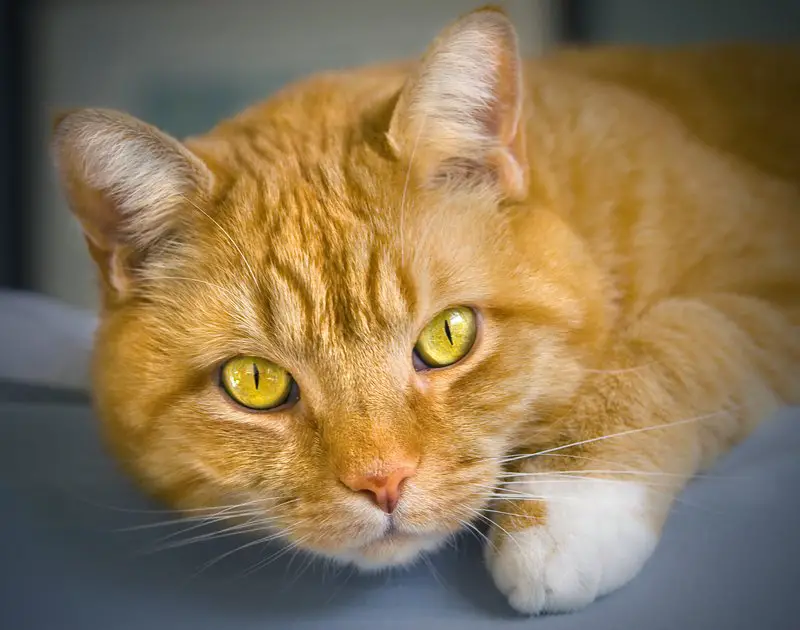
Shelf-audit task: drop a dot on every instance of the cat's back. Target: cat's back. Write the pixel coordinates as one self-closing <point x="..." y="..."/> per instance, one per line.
<point x="684" y="162"/>
<point x="742" y="99"/>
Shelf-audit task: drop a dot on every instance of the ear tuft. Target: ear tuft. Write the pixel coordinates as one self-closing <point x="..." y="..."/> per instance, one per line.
<point x="460" y="113"/>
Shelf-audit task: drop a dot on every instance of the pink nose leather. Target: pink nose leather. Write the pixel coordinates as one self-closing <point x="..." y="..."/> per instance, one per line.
<point x="384" y="488"/>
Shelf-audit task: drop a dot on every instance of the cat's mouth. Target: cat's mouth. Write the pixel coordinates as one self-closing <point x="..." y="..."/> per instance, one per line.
<point x="394" y="548"/>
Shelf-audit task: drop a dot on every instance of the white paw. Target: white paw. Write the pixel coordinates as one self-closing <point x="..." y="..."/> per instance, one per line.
<point x="595" y="538"/>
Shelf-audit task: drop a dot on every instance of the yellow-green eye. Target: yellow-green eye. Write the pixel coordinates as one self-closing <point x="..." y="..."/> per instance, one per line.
<point x="448" y="337"/>
<point x="256" y="383"/>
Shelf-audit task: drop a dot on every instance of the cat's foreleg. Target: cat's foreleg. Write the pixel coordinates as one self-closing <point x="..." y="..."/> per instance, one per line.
<point x="576" y="522"/>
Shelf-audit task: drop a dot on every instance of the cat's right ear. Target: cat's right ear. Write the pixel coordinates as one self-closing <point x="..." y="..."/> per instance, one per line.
<point x="459" y="118"/>
<point x="126" y="183"/>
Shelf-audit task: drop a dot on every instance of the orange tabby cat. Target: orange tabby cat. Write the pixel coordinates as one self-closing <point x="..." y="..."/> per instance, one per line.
<point x="389" y="299"/>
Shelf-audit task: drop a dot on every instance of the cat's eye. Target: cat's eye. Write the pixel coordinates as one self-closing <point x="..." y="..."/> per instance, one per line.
<point x="447" y="338"/>
<point x="256" y="383"/>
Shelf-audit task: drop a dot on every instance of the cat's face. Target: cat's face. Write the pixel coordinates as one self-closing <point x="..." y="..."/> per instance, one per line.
<point x="314" y="313"/>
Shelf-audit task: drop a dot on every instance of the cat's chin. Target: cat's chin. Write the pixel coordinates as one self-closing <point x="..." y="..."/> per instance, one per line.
<point x="396" y="550"/>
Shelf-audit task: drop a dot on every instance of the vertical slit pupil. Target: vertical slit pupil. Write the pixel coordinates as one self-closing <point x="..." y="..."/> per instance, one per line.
<point x="256" y="374"/>
<point x="448" y="332"/>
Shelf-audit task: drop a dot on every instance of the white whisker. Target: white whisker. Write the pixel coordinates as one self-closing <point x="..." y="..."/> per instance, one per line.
<point x="252" y="543"/>
<point x="234" y="530"/>
<point x="520" y="496"/>
<point x="213" y="518"/>
<point x="228" y="236"/>
<point x="186" y="510"/>
<point x="567" y="479"/>
<point x="475" y="531"/>
<point x="231" y="511"/>
<point x="636" y="368"/>
<point x="514" y="514"/>
<point x="255" y="515"/>
<point x="272" y="558"/>
<point x="514" y="496"/>
<point x="498" y="526"/>
<point x="234" y="298"/>
<point x="665" y="425"/>
<point x="344" y="582"/>
<point x="303" y="567"/>
<point x="405" y="189"/>
<point x="436" y="575"/>
<point x="570" y="473"/>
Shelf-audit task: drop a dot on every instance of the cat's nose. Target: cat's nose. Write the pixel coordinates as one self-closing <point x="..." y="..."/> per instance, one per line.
<point x="383" y="488"/>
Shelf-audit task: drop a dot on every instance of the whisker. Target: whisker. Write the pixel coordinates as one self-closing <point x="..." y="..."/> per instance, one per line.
<point x="234" y="530"/>
<point x="480" y="535"/>
<point x="530" y="516"/>
<point x="181" y="511"/>
<point x="200" y="525"/>
<point x="405" y="189"/>
<point x="272" y="558"/>
<point x="635" y="368"/>
<point x="514" y="495"/>
<point x="235" y="298"/>
<point x="503" y="494"/>
<point x="534" y="497"/>
<point x="632" y="471"/>
<point x="665" y="425"/>
<point x="252" y="543"/>
<point x="227" y="235"/>
<point x="436" y="575"/>
<point x="209" y="514"/>
<point x="507" y="486"/>
<point x="344" y="582"/>
<point x="568" y="476"/>
<point x="303" y="568"/>
<point x="500" y="527"/>
<point x="210" y="518"/>
<point x="492" y="488"/>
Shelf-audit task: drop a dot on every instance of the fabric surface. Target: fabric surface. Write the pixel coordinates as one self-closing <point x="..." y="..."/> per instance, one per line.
<point x="44" y="341"/>
<point x="81" y="548"/>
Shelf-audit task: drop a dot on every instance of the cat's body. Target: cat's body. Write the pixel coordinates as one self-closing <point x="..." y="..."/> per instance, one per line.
<point x="625" y="224"/>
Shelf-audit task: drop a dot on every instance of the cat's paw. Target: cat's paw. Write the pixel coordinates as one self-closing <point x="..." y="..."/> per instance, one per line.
<point x="594" y="537"/>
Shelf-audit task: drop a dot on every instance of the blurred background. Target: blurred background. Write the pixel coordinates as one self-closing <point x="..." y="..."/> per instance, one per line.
<point x="184" y="64"/>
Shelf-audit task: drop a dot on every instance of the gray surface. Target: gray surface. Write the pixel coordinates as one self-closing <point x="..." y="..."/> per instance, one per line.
<point x="729" y="559"/>
<point x="44" y="341"/>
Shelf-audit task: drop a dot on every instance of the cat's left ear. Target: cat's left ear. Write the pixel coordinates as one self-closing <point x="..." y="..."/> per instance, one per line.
<point x="459" y="116"/>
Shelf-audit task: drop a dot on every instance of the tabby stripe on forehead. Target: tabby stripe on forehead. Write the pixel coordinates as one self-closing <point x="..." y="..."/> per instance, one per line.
<point x="374" y="279"/>
<point x="407" y="288"/>
<point x="384" y="278"/>
<point x="297" y="284"/>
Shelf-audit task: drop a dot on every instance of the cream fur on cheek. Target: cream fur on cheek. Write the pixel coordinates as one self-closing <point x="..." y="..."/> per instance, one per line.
<point x="595" y="539"/>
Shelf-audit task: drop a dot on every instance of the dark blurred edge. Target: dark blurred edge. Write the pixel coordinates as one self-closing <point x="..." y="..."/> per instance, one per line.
<point x="15" y="122"/>
<point x="572" y="23"/>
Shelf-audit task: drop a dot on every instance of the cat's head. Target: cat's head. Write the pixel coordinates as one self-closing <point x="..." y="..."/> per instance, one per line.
<point x="342" y="308"/>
